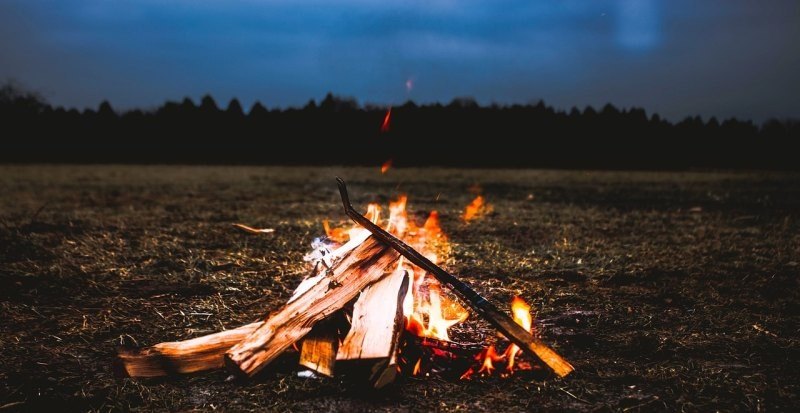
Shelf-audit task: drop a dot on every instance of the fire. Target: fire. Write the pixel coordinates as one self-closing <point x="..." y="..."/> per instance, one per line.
<point x="490" y="357"/>
<point x="521" y="312"/>
<point x="342" y="235"/>
<point x="386" y="119"/>
<point x="386" y="165"/>
<point x="428" y="311"/>
<point x="476" y="208"/>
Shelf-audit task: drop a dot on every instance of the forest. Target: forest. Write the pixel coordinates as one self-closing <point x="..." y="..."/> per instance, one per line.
<point x="339" y="131"/>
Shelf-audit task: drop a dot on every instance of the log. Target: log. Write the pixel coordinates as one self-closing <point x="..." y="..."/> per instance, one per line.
<point x="181" y="357"/>
<point x="377" y="320"/>
<point x="318" y="351"/>
<point x="206" y="352"/>
<point x="376" y="326"/>
<point x="361" y="267"/>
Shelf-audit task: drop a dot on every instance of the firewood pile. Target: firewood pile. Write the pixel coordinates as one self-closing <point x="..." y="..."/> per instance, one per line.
<point x="355" y="310"/>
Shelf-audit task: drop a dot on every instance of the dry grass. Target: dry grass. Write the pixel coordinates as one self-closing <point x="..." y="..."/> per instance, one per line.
<point x="667" y="291"/>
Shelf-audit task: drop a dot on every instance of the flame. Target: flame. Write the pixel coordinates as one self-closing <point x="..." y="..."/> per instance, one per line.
<point x="521" y="313"/>
<point x="428" y="311"/>
<point x="477" y="207"/>
<point x="386" y="119"/>
<point x="386" y="165"/>
<point x="342" y="235"/>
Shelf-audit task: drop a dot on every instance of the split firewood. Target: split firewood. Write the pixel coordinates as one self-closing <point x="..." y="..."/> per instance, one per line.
<point x="206" y="352"/>
<point x="318" y="351"/>
<point x="376" y="327"/>
<point x="180" y="357"/>
<point x="343" y="281"/>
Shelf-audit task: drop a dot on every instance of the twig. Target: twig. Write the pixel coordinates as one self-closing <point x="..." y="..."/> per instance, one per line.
<point x="640" y="404"/>
<point x="764" y="330"/>
<point x="38" y="211"/>
<point x="251" y="230"/>
<point x="573" y="396"/>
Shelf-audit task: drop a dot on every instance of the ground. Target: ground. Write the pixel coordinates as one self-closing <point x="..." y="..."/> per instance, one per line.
<point x="667" y="291"/>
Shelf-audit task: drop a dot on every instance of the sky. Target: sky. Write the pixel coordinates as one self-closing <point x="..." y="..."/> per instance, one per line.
<point x="723" y="58"/>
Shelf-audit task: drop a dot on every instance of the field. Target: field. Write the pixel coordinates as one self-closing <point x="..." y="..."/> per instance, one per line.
<point x="667" y="291"/>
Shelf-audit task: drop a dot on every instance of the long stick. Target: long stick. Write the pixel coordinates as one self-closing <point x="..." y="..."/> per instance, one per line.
<point x="498" y="319"/>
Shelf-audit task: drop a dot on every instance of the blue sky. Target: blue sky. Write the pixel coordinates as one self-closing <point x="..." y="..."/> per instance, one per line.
<point x="675" y="57"/>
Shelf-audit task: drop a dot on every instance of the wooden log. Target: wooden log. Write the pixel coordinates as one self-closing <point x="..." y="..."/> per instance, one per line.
<point x="361" y="267"/>
<point x="319" y="346"/>
<point x="181" y="357"/>
<point x="376" y="327"/>
<point x="206" y="352"/>
<point x="318" y="351"/>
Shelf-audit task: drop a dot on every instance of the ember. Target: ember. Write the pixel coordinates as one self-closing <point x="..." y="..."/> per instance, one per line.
<point x="386" y="120"/>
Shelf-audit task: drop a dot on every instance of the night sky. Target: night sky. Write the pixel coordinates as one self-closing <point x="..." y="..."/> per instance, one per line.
<point x="675" y="57"/>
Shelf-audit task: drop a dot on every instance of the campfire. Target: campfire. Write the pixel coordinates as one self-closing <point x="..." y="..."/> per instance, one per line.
<point x="374" y="302"/>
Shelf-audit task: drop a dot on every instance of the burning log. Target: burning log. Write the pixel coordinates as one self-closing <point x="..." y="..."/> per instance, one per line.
<point x="498" y="319"/>
<point x="345" y="279"/>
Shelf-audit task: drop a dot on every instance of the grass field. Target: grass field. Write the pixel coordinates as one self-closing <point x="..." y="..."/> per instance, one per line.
<point x="667" y="291"/>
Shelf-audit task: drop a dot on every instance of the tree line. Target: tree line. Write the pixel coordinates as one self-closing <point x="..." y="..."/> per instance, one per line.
<point x="339" y="131"/>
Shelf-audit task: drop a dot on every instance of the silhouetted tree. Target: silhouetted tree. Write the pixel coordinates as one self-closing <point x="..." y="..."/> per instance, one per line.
<point x="339" y="131"/>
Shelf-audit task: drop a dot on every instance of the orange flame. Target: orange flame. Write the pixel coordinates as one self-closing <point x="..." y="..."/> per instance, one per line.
<point x="429" y="312"/>
<point x="521" y="312"/>
<point x="386" y="165"/>
<point x="386" y="119"/>
<point x="342" y="235"/>
<point x="477" y="207"/>
<point x="417" y="367"/>
<point x="489" y="356"/>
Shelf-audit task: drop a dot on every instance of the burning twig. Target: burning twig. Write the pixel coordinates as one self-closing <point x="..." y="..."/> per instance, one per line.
<point x="498" y="319"/>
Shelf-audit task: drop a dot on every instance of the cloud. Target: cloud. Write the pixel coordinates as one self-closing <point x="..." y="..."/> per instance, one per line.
<point x="666" y="56"/>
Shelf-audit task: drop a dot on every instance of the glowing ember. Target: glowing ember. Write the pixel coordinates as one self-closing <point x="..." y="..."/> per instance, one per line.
<point x="386" y="119"/>
<point x="477" y="207"/>
<point x="386" y="165"/>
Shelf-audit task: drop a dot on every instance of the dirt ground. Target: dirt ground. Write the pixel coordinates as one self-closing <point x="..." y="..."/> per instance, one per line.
<point x="667" y="291"/>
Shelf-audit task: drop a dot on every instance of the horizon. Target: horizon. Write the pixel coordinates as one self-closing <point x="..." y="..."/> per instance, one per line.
<point x="223" y="105"/>
<point x="677" y="59"/>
